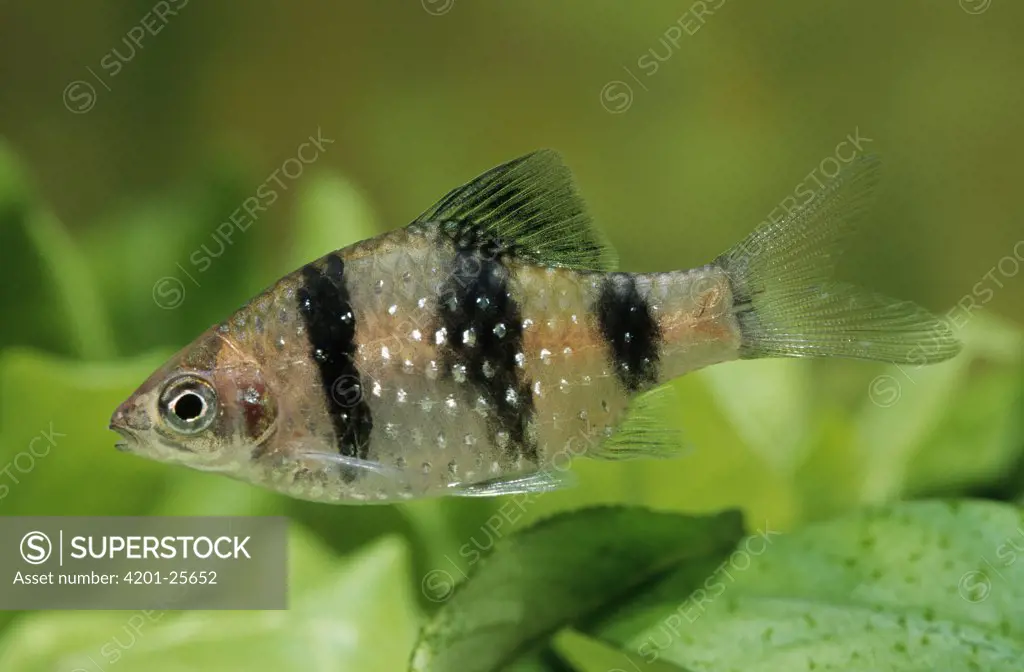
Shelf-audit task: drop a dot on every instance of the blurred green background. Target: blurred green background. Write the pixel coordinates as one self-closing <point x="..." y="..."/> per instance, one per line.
<point x="684" y="133"/>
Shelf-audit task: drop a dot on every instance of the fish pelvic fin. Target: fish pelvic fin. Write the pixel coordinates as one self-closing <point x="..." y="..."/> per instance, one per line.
<point x="537" y="482"/>
<point x="787" y="305"/>
<point x="527" y="208"/>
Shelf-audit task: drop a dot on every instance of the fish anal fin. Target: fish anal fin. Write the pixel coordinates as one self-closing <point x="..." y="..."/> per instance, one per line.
<point x="527" y="208"/>
<point x="646" y="431"/>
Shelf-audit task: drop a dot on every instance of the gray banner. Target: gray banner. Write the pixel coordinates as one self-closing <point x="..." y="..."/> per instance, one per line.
<point x="143" y="563"/>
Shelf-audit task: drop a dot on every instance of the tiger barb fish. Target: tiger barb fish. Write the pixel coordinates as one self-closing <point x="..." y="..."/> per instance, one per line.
<point x="475" y="350"/>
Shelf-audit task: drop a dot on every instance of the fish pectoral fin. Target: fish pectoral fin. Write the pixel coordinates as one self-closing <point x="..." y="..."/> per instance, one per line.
<point x="528" y="208"/>
<point x="541" y="481"/>
<point x="354" y="463"/>
<point x="645" y="431"/>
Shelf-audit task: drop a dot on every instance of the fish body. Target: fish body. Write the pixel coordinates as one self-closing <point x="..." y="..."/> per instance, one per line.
<point x="482" y="347"/>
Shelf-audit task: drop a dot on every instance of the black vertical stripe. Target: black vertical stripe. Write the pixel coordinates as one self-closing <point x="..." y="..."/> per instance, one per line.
<point x="630" y="330"/>
<point x="326" y="309"/>
<point x="484" y="334"/>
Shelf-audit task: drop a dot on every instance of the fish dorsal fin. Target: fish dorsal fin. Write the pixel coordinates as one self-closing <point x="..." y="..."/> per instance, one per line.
<point x="527" y="208"/>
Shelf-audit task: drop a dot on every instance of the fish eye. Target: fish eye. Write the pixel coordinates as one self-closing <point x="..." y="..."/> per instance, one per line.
<point x="188" y="404"/>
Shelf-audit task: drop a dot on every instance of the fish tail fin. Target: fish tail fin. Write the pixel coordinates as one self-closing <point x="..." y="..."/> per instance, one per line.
<point x="788" y="306"/>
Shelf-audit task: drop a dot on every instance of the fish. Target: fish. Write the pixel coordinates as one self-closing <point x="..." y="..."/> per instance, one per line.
<point x="481" y="348"/>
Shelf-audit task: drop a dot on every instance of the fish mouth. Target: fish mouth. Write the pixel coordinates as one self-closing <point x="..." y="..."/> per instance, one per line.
<point x="128" y="438"/>
<point x="124" y="422"/>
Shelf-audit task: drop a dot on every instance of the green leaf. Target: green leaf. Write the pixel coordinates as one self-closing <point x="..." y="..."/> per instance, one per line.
<point x="357" y="617"/>
<point x="920" y="418"/>
<point x="902" y="407"/>
<point x="591" y="655"/>
<point x="559" y="572"/>
<point x="830" y="481"/>
<point x="330" y="213"/>
<point x="54" y="438"/>
<point x="917" y="586"/>
<point x="719" y="470"/>
<point x="542" y="660"/>
<point x="768" y="403"/>
<point x="197" y="493"/>
<point x="344" y="528"/>
<point x="177" y="262"/>
<point x="46" y="289"/>
<point x="445" y="528"/>
<point x="985" y="416"/>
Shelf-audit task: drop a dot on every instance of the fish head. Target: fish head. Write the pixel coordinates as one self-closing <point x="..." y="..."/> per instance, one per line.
<point x="209" y="407"/>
